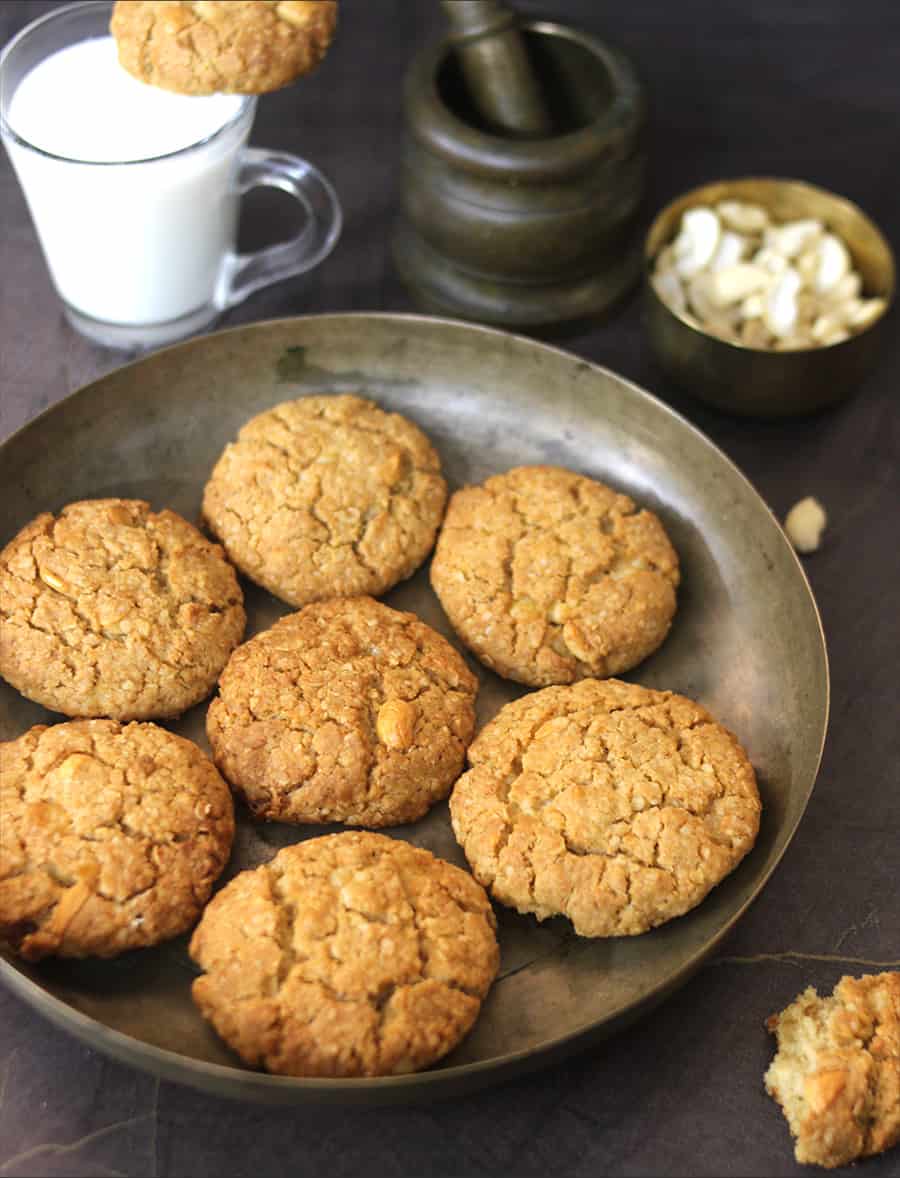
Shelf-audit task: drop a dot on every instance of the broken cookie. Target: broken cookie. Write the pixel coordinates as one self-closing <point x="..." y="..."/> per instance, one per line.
<point x="836" y="1074"/>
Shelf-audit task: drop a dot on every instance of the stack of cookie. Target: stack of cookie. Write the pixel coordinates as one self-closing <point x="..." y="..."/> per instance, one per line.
<point x="613" y="805"/>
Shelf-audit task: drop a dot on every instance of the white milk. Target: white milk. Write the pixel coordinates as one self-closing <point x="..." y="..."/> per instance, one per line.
<point x="137" y="242"/>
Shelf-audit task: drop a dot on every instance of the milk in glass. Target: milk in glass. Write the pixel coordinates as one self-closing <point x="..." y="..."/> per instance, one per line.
<point x="131" y="188"/>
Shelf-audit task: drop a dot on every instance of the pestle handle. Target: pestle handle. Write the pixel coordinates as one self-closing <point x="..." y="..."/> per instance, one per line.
<point x="496" y="67"/>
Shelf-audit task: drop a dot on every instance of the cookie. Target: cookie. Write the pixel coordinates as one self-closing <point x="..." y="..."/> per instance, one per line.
<point x="222" y="46"/>
<point x="112" y="837"/>
<point x="347" y="711"/>
<point x="327" y="497"/>
<point x="836" y="1074"/>
<point x="348" y="955"/>
<point x="608" y="803"/>
<point x="110" y="609"/>
<point x="549" y="577"/>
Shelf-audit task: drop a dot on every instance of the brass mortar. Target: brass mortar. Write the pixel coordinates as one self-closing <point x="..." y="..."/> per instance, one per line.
<point x="523" y="231"/>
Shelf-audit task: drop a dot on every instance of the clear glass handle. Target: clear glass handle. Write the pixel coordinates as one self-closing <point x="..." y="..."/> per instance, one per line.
<point x="244" y="273"/>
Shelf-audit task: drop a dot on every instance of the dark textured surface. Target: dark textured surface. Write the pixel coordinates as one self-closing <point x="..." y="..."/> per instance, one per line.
<point x="808" y="90"/>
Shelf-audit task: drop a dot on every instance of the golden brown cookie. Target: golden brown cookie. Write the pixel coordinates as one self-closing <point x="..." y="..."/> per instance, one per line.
<point x="347" y="711"/>
<point x="327" y="497"/>
<point x="110" y="609"/>
<point x="222" y="46"/>
<point x="608" y="803"/>
<point x="111" y="837"/>
<point x="836" y="1074"/>
<point x="550" y="577"/>
<point x="349" y="955"/>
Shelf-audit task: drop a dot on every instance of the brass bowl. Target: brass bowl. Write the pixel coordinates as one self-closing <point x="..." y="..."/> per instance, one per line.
<point x="752" y="382"/>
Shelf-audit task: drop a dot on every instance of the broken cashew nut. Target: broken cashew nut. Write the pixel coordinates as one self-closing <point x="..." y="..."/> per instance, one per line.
<point x="805" y="523"/>
<point x="734" y="273"/>
<point x="396" y="723"/>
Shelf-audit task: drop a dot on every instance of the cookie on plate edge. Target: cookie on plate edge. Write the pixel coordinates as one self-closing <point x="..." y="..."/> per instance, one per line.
<point x="112" y="837"/>
<point x="611" y="804"/>
<point x="111" y="609"/>
<point x="348" y="955"/>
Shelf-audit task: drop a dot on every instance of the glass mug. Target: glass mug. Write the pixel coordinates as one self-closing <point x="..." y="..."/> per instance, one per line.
<point x="142" y="252"/>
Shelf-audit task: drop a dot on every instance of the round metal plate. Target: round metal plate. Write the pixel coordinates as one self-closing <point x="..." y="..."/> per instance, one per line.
<point x="747" y="642"/>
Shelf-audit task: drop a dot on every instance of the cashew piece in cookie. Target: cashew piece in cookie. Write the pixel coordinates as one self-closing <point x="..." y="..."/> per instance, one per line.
<point x="396" y="723"/>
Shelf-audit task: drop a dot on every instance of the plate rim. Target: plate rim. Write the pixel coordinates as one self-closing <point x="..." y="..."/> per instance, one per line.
<point x="237" y="1082"/>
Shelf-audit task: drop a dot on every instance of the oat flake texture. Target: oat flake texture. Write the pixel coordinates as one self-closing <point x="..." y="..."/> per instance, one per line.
<point x="836" y="1074"/>
<point x="608" y="803"/>
<point x="328" y="496"/>
<point x="550" y="577"/>
<point x="348" y="955"/>
<point x="347" y="711"/>
<point x="111" y="837"/>
<point x="111" y="609"/>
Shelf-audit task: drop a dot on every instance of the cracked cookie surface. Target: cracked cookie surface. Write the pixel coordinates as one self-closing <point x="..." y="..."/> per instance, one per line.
<point x="614" y="805"/>
<point x="328" y="496"/>
<point x="836" y="1074"/>
<point x="222" y="46"/>
<point x="549" y="576"/>
<point x="348" y="955"/>
<point x="347" y="711"/>
<point x="111" y="839"/>
<point x="110" y="609"/>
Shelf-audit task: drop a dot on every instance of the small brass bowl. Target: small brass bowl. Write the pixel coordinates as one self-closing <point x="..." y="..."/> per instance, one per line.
<point x="752" y="382"/>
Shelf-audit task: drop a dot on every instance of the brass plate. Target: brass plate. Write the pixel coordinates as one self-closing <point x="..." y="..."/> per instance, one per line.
<point x="747" y="642"/>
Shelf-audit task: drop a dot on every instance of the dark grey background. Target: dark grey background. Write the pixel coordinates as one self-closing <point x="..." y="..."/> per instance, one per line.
<point x="804" y="89"/>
